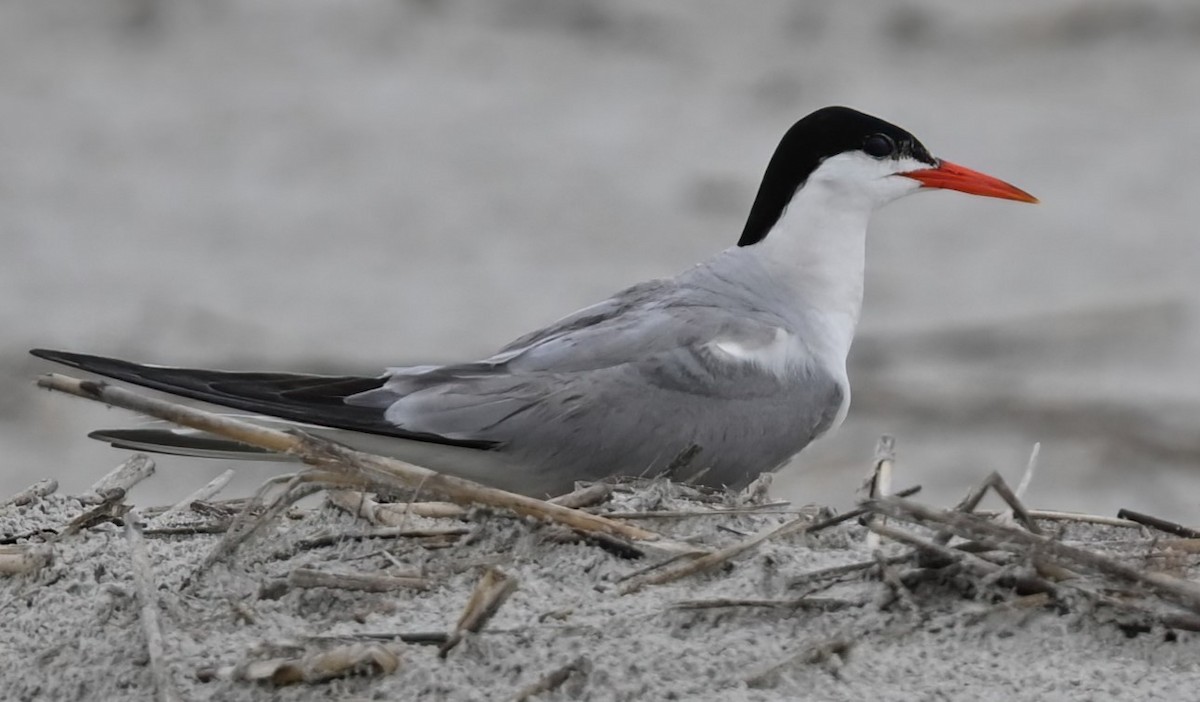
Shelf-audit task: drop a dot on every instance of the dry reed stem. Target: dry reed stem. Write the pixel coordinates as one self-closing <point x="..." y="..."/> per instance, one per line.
<point x="879" y="483"/>
<point x="1159" y="524"/>
<point x="492" y="590"/>
<point x="373" y="469"/>
<point x="1079" y="517"/>
<point x="203" y="494"/>
<point x="1183" y="592"/>
<point x="716" y="558"/>
<point x="137" y="468"/>
<point x="586" y="496"/>
<point x="143" y="576"/>
<point x="366" y="582"/>
<point x="23" y="559"/>
<point x="553" y="680"/>
<point x="392" y="514"/>
<point x="812" y="654"/>
<point x="339" y="662"/>
<point x="41" y="488"/>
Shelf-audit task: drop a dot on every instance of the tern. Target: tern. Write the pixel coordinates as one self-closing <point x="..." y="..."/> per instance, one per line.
<point x="714" y="376"/>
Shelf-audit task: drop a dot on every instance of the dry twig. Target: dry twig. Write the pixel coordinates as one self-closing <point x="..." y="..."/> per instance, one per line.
<point x="490" y="592"/>
<point x="23" y="559"/>
<point x="364" y="467"/>
<point x="879" y="483"/>
<point x="143" y="575"/>
<point x="1160" y="524"/>
<point x="811" y="654"/>
<point x="112" y="508"/>
<point x="553" y="680"/>
<point x="586" y="496"/>
<point x="137" y="468"/>
<point x="1079" y="517"/>
<point x="392" y="514"/>
<point x="439" y="536"/>
<point x="805" y="603"/>
<point x="367" y="582"/>
<point x="41" y="488"/>
<point x="353" y="659"/>
<point x="1181" y="591"/>
<point x="711" y="560"/>
<point x="840" y="571"/>
<point x="203" y="494"/>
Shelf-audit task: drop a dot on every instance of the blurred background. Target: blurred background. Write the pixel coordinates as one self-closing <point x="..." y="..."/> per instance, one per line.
<point x="337" y="186"/>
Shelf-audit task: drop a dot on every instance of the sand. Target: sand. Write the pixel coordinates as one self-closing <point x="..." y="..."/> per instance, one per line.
<point x="74" y="629"/>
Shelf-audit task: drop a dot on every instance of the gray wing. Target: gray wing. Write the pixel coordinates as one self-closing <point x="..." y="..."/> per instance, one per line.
<point x="635" y="376"/>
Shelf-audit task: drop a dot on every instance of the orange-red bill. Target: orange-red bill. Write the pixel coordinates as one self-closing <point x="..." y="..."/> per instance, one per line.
<point x="952" y="176"/>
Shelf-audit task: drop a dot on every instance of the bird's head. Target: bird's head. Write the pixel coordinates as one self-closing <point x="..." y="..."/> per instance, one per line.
<point x="837" y="157"/>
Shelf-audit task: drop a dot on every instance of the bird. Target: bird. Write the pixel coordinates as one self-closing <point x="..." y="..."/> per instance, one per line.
<point x="715" y="376"/>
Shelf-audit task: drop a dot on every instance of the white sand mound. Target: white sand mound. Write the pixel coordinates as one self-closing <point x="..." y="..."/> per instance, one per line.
<point x="754" y="629"/>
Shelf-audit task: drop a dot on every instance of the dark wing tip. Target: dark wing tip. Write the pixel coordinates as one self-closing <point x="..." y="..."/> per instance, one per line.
<point x="309" y="399"/>
<point x="82" y="361"/>
<point x="52" y="355"/>
<point x="167" y="441"/>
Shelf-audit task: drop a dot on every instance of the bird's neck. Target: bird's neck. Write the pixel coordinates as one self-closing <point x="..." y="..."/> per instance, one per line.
<point x="814" y="259"/>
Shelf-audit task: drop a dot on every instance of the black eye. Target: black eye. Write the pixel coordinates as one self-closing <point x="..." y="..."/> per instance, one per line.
<point x="879" y="145"/>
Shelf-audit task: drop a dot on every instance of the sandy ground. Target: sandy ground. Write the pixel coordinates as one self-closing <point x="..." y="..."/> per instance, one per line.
<point x="948" y="636"/>
<point x="336" y="187"/>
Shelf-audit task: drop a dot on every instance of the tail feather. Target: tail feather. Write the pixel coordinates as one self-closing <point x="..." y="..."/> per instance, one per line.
<point x="309" y="399"/>
<point x="183" y="442"/>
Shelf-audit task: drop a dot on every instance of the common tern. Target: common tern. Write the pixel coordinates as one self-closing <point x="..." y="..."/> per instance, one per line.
<point x="716" y="375"/>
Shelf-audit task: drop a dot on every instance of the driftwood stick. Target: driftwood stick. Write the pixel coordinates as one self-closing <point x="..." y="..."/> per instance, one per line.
<point x="997" y="483"/>
<point x="879" y="483"/>
<point x="1057" y="516"/>
<point x="203" y="494"/>
<point x="975" y="495"/>
<point x="372" y="659"/>
<point x="1030" y="468"/>
<point x="442" y="535"/>
<point x="1183" y="592"/>
<point x="247" y="523"/>
<point x="553" y="680"/>
<point x="587" y="496"/>
<point x="968" y="560"/>
<point x="22" y="559"/>
<point x="689" y="513"/>
<point x="123" y="477"/>
<point x="1160" y="524"/>
<point x="111" y="508"/>
<point x="143" y="575"/>
<point x="216" y="527"/>
<point x="391" y="514"/>
<point x="367" y="582"/>
<point x="812" y="654"/>
<point x="835" y="572"/>
<point x="41" y="488"/>
<point x="492" y="590"/>
<point x="711" y="560"/>
<point x="804" y="602"/>
<point x="362" y="504"/>
<point x="336" y="457"/>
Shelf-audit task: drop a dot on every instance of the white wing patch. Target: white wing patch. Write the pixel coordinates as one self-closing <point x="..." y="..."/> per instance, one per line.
<point x="779" y="356"/>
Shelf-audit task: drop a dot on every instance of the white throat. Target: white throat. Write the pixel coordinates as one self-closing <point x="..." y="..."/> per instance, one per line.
<point x="816" y="252"/>
<point x="816" y="255"/>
